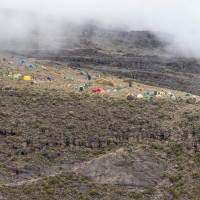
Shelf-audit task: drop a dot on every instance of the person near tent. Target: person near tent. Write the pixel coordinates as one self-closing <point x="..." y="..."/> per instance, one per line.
<point x="89" y="77"/>
<point x="130" y="84"/>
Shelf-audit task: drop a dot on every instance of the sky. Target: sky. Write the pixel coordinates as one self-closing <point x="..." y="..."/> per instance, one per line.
<point x="180" y="18"/>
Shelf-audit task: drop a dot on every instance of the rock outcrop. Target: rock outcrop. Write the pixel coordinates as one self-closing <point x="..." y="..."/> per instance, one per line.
<point x="135" y="170"/>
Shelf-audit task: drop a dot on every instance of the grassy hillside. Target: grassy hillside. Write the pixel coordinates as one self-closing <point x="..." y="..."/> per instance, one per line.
<point x="60" y="143"/>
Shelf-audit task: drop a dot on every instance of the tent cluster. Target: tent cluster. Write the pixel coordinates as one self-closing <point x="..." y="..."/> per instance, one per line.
<point x="16" y="76"/>
<point x="107" y="85"/>
<point x="155" y="94"/>
<point x="12" y="76"/>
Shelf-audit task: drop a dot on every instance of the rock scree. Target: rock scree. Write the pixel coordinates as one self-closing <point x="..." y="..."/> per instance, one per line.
<point x="134" y="170"/>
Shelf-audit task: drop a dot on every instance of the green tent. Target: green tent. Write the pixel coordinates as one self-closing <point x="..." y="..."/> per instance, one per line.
<point x="43" y="67"/>
<point x="11" y="77"/>
<point x="187" y="95"/>
<point x="147" y="96"/>
<point x="173" y="97"/>
<point x="81" y="73"/>
<point x="86" y="85"/>
<point x="4" y="75"/>
<point x="71" y="79"/>
<point x="119" y="88"/>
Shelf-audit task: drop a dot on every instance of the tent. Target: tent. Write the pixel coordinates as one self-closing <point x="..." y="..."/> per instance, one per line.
<point x="11" y="77"/>
<point x="33" y="82"/>
<point x="86" y="85"/>
<point x="173" y="97"/>
<point x="69" y="85"/>
<point x="147" y="96"/>
<point x="80" y="88"/>
<point x="44" y="68"/>
<point x="71" y="79"/>
<point x="119" y="88"/>
<point x="31" y="66"/>
<point x="22" y="61"/>
<point x="147" y="93"/>
<point x="162" y="93"/>
<point x="155" y="93"/>
<point x="158" y="96"/>
<point x="4" y="75"/>
<point x="27" y="78"/>
<point x="169" y="93"/>
<point x="81" y="73"/>
<point x="187" y="95"/>
<point x="89" y="77"/>
<point x="98" y="90"/>
<point x="107" y="91"/>
<point x="50" y="78"/>
<point x="140" y="96"/>
<point x="17" y="75"/>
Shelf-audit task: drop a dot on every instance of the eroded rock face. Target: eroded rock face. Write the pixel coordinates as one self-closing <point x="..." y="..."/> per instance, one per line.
<point x="135" y="170"/>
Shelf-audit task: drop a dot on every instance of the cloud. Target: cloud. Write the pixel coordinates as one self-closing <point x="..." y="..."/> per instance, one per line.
<point x="179" y="18"/>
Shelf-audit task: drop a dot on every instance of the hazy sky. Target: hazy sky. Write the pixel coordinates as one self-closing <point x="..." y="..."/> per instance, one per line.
<point x="181" y="18"/>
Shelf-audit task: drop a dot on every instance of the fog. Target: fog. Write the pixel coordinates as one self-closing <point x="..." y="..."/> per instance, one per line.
<point x="179" y="18"/>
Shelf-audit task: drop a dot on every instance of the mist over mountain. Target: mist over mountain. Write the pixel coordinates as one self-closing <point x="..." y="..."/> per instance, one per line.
<point x="48" y="21"/>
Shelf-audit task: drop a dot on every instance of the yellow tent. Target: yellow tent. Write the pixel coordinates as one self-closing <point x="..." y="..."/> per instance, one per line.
<point x="158" y="96"/>
<point x="27" y="78"/>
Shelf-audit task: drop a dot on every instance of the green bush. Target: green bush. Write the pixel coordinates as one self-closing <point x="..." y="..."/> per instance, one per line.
<point x="196" y="174"/>
<point x="176" y="150"/>
<point x="137" y="195"/>
<point x="185" y="190"/>
<point x="50" y="191"/>
<point x="93" y="192"/>
<point x="180" y="183"/>
<point x="149" y="191"/>
<point x="197" y="158"/>
<point x="60" y="184"/>
<point x="46" y="185"/>
<point x="90" y="183"/>
<point x="175" y="178"/>
<point x="172" y="178"/>
<point x="176" y="193"/>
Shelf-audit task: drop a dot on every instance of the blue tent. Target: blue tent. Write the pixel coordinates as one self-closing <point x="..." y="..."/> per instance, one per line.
<point x="31" y="66"/>
<point x="22" y="61"/>
<point x="155" y="93"/>
<point x="50" y="78"/>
